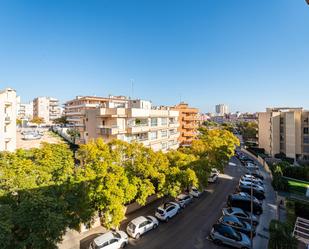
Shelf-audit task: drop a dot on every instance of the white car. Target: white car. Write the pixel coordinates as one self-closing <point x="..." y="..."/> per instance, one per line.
<point x="252" y="179"/>
<point x="167" y="211"/>
<point x="250" y="165"/>
<point x="214" y="174"/>
<point x="195" y="192"/>
<point x="110" y="240"/>
<point x="141" y="225"/>
<point x="184" y="199"/>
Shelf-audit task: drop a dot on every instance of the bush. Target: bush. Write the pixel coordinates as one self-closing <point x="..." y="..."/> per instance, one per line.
<point x="281" y="236"/>
<point x="302" y="209"/>
<point x="297" y="172"/>
<point x="280" y="183"/>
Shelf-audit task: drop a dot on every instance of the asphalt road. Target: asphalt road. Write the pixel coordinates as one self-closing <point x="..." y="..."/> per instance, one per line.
<point x="189" y="229"/>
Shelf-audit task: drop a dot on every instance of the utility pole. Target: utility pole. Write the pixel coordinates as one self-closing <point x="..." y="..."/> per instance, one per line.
<point x="251" y="220"/>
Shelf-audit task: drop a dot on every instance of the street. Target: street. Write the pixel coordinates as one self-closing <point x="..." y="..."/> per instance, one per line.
<point x="191" y="227"/>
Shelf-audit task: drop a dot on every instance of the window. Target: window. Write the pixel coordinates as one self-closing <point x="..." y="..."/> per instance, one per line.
<point x="306" y="140"/>
<point x="112" y="241"/>
<point x="306" y="130"/>
<point x="306" y="149"/>
<point x="163" y="133"/>
<point x="154" y="121"/>
<point x="153" y="135"/>
<point x="164" y="146"/>
<point x="163" y="121"/>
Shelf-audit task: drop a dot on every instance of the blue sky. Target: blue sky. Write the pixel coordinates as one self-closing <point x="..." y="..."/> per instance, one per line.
<point x="245" y="53"/>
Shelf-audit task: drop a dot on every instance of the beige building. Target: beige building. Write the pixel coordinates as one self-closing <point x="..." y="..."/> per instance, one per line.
<point x="8" y="119"/>
<point x="133" y="120"/>
<point x="222" y="109"/>
<point x="47" y="108"/>
<point x="75" y="110"/>
<point x="284" y="130"/>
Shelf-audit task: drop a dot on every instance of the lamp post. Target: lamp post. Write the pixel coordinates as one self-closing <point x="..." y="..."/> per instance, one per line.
<point x="251" y="219"/>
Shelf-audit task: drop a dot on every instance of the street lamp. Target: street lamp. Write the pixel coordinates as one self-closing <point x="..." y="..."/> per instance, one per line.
<point x="251" y="218"/>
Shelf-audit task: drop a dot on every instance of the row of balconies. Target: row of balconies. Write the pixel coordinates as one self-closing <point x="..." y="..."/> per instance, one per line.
<point x="136" y="112"/>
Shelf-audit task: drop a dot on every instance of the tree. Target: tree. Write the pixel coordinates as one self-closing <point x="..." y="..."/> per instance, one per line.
<point x="281" y="236"/>
<point x="61" y="121"/>
<point x="37" y="120"/>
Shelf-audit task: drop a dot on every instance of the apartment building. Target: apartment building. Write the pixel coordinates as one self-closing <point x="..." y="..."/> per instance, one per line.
<point x="75" y="110"/>
<point x="284" y="130"/>
<point x="222" y="109"/>
<point x="25" y="111"/>
<point x="133" y="120"/>
<point x="47" y="108"/>
<point x="188" y="123"/>
<point x="8" y="119"/>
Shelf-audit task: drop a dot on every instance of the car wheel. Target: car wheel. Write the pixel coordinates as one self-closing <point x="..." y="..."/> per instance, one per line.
<point x="137" y="236"/>
<point x="184" y="205"/>
<point x="258" y="212"/>
<point x="123" y="245"/>
<point x="167" y="219"/>
<point x="218" y="242"/>
<point x="155" y="226"/>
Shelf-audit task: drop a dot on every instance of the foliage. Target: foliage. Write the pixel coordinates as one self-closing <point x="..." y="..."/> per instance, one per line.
<point x="37" y="120"/>
<point x="61" y="121"/>
<point x="18" y="122"/>
<point x="38" y="198"/>
<point x="281" y="236"/>
<point x="248" y="130"/>
<point x="73" y="133"/>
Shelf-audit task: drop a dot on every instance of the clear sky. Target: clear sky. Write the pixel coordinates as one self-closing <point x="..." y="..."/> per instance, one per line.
<point x="249" y="54"/>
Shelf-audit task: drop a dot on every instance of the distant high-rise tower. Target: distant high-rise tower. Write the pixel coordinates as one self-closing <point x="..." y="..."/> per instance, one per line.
<point x="222" y="109"/>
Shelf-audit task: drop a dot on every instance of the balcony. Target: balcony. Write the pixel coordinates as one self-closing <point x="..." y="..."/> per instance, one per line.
<point x="7" y="103"/>
<point x="7" y="120"/>
<point x="190" y="118"/>
<point x="189" y="134"/>
<point x="107" y="130"/>
<point x="112" y="112"/>
<point x="138" y="128"/>
<point x="174" y="135"/>
<point x="138" y="113"/>
<point x="190" y="126"/>
<point x="173" y="125"/>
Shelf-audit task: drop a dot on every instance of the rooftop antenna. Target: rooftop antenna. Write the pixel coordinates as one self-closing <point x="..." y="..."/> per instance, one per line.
<point x="180" y="98"/>
<point x="132" y="88"/>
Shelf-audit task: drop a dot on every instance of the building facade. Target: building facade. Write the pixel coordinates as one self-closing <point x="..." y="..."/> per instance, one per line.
<point x="284" y="130"/>
<point x="188" y="123"/>
<point x="75" y="110"/>
<point x="25" y="111"/>
<point x="133" y="120"/>
<point x="47" y="108"/>
<point x="222" y="109"/>
<point x="8" y="119"/>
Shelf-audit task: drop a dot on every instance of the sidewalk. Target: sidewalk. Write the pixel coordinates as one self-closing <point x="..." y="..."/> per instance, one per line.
<point x="270" y="211"/>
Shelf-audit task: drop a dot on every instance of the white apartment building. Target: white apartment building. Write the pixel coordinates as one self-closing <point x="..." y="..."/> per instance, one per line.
<point x="133" y="120"/>
<point x="222" y="109"/>
<point x="25" y="111"/>
<point x="47" y="108"/>
<point x="8" y="119"/>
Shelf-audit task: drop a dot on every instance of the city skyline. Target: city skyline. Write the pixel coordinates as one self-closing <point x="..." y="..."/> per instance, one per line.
<point x="203" y="53"/>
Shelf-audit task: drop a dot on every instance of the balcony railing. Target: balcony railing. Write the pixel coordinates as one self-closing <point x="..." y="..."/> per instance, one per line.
<point x="7" y="119"/>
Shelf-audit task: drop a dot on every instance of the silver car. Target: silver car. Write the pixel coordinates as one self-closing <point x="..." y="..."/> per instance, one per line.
<point x="241" y="215"/>
<point x="223" y="234"/>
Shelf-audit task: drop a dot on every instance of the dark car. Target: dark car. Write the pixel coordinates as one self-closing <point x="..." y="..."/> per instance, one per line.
<point x="244" y="202"/>
<point x="237" y="224"/>
<point x="223" y="234"/>
<point x="241" y="214"/>
<point x="259" y="194"/>
<point x="255" y="173"/>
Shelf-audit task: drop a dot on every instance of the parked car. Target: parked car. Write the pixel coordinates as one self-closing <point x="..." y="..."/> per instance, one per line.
<point x="241" y="214"/>
<point x="253" y="178"/>
<point x="259" y="194"/>
<point x="249" y="196"/>
<point x="250" y="165"/>
<point x="214" y="174"/>
<point x="254" y="185"/>
<point x="141" y="225"/>
<point x="167" y="211"/>
<point x="244" y="202"/>
<point x="223" y="234"/>
<point x="184" y="199"/>
<point x="255" y="173"/>
<point x="110" y="240"/>
<point x="238" y="225"/>
<point x="195" y="192"/>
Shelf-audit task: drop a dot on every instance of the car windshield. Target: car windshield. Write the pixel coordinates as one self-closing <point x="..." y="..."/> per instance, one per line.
<point x="131" y="226"/>
<point x="117" y="235"/>
<point x="160" y="211"/>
